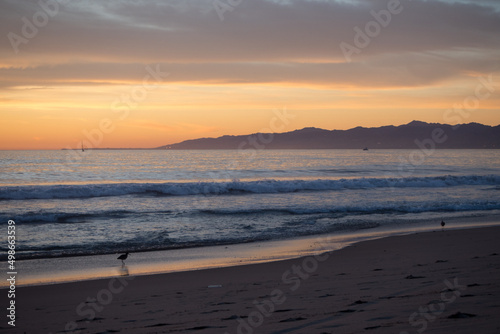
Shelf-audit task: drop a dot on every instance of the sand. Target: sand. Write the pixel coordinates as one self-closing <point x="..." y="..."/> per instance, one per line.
<point x="432" y="282"/>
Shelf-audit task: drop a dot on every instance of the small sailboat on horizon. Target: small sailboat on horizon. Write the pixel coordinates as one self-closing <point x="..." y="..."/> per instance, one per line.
<point x="83" y="150"/>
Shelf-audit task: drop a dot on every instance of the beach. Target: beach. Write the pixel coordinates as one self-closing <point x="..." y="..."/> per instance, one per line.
<point x="302" y="241"/>
<point x="432" y="282"/>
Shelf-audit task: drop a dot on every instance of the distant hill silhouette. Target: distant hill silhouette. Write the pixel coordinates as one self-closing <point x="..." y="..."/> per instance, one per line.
<point x="409" y="136"/>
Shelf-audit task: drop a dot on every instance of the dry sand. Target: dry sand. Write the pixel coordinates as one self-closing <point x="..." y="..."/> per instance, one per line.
<point x="433" y="282"/>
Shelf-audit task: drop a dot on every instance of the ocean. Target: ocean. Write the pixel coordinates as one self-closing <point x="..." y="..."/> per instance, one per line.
<point x="69" y="203"/>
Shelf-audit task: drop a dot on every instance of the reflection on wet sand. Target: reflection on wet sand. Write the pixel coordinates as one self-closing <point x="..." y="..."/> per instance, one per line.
<point x="123" y="270"/>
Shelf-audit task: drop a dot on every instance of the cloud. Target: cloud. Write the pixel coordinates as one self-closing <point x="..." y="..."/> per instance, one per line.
<point x="414" y="69"/>
<point x="176" y="127"/>
<point x="260" y="41"/>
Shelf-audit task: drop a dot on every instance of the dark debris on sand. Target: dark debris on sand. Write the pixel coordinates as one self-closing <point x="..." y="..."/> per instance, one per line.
<point x="460" y="315"/>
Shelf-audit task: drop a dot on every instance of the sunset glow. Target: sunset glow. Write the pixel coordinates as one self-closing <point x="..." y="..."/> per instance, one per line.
<point x="159" y="72"/>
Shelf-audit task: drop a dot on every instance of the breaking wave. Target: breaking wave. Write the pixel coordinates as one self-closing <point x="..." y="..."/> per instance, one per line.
<point x="235" y="187"/>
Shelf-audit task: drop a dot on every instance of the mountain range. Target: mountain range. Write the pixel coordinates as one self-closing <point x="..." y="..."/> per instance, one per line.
<point x="413" y="135"/>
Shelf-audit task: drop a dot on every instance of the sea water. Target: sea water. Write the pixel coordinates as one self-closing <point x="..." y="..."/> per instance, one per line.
<point x="68" y="203"/>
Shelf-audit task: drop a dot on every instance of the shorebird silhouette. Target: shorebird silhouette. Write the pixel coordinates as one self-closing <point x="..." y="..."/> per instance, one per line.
<point x="123" y="257"/>
<point x="442" y="225"/>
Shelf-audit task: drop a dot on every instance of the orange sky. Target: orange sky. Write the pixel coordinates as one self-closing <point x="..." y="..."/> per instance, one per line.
<point x="151" y="73"/>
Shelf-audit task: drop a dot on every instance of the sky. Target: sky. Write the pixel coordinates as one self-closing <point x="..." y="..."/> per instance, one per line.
<point x="139" y="73"/>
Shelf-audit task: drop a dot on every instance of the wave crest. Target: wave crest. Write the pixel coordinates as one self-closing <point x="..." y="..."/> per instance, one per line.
<point x="235" y="187"/>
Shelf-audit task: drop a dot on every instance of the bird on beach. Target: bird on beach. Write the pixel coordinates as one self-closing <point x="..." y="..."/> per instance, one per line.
<point x="442" y="225"/>
<point x="123" y="257"/>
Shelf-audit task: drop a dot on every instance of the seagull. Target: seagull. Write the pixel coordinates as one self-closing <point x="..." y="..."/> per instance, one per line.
<point x="123" y="257"/>
<point x="442" y="225"/>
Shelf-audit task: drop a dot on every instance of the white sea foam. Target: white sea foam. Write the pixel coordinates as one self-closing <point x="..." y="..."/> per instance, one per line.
<point x="235" y="187"/>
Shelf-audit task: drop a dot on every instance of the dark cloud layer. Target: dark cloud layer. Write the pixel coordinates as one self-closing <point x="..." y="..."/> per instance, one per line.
<point x="258" y="41"/>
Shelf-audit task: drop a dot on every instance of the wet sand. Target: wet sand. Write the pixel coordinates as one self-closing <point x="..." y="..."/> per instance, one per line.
<point x="437" y="282"/>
